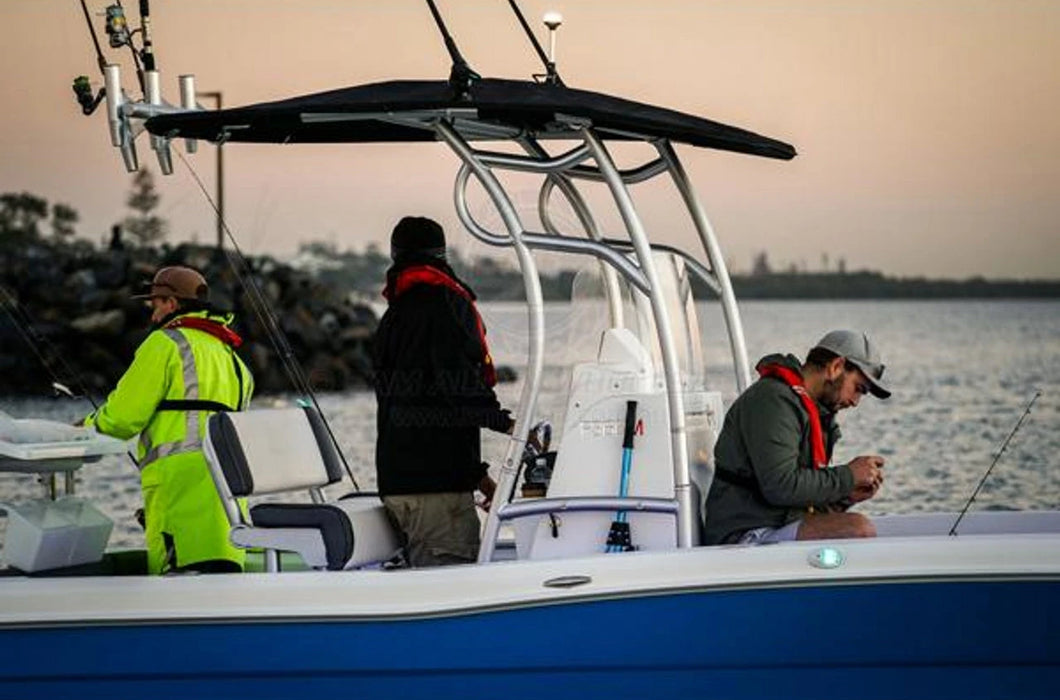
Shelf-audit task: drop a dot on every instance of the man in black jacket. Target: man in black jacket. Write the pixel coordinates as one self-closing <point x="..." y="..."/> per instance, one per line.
<point x="434" y="382"/>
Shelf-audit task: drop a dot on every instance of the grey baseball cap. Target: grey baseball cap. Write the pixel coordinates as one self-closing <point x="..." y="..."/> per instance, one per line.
<point x="858" y="350"/>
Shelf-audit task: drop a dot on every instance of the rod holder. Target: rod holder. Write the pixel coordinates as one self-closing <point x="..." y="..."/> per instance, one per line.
<point x="187" y="101"/>
<point x="128" y="151"/>
<point x="159" y="144"/>
<point x="115" y="99"/>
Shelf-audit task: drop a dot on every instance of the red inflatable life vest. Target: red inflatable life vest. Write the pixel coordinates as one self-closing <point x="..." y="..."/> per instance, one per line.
<point x="794" y="380"/>
<point x="425" y="274"/>
<point x="218" y="330"/>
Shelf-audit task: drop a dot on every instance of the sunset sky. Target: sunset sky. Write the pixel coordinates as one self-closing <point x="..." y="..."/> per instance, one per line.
<point x="928" y="131"/>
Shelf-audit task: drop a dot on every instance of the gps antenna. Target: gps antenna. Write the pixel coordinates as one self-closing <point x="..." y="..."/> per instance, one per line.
<point x="552" y="21"/>
<point x="461" y="77"/>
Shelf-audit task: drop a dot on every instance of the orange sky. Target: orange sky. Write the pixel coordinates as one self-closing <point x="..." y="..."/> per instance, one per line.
<point x="927" y="131"/>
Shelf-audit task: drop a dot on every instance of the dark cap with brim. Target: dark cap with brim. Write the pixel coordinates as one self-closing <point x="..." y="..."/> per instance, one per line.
<point x="858" y="350"/>
<point x="180" y="282"/>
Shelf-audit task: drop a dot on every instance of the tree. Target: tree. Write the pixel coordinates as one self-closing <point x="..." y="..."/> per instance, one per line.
<point x="761" y="267"/>
<point x="21" y="214"/>
<point x="63" y="219"/>
<point x="145" y="227"/>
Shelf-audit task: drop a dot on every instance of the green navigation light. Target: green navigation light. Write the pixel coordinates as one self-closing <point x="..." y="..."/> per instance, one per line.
<point x="826" y="558"/>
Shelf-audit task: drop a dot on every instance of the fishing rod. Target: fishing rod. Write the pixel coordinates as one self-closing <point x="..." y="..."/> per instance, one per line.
<point x="25" y="327"/>
<point x="461" y="76"/>
<point x="263" y="311"/>
<point x="147" y="50"/>
<point x="95" y="38"/>
<point x="551" y="76"/>
<point x="997" y="457"/>
<point x="82" y="85"/>
<point x="119" y="34"/>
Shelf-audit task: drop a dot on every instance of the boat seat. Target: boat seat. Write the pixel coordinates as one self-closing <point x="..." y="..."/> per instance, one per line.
<point x="288" y="450"/>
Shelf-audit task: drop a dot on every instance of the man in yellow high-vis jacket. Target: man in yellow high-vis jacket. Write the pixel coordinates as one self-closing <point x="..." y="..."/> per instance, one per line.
<point x="184" y="371"/>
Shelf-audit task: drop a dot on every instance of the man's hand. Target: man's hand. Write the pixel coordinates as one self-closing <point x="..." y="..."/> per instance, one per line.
<point x="868" y="477"/>
<point x="488" y="487"/>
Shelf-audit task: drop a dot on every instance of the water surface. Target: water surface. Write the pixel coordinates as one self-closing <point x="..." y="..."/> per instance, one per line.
<point x="961" y="371"/>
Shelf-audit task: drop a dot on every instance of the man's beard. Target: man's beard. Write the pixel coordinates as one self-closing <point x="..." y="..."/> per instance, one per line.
<point x="829" y="397"/>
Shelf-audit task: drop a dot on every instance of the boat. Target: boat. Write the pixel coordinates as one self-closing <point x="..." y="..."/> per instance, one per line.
<point x="938" y="605"/>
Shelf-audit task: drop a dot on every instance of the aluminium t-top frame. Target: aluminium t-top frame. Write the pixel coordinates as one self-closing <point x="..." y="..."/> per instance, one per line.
<point x="560" y="171"/>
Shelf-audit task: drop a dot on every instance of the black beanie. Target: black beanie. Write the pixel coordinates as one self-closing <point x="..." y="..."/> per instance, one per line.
<point x="417" y="234"/>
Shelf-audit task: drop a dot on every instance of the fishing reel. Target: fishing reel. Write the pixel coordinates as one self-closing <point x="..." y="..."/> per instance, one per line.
<point x="83" y="91"/>
<point x="126" y="115"/>
<point x="538" y="461"/>
<point x="117" y="27"/>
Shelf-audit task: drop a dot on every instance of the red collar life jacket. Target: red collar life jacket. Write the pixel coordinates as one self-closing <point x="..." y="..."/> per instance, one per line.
<point x="425" y="274"/>
<point x="794" y="380"/>
<point x="218" y="330"/>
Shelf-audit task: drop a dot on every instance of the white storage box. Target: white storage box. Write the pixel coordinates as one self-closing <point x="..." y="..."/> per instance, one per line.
<point x="52" y="534"/>
<point x="32" y="445"/>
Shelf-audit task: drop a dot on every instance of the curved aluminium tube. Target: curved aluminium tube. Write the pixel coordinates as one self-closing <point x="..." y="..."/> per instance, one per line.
<point x="570" y="164"/>
<point x="701" y="270"/>
<point x="585" y="504"/>
<point x="611" y="286"/>
<point x="631" y="176"/>
<point x="541" y="241"/>
<point x="536" y="310"/>
<point x="539" y="162"/>
<point x="717" y="262"/>
<point x="584" y="214"/>
<point x="675" y="400"/>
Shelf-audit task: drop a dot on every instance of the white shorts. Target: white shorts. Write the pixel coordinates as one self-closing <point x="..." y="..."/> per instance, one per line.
<point x="771" y="535"/>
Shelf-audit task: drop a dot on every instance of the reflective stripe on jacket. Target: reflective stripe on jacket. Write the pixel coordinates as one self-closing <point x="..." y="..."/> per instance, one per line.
<point x="180" y="500"/>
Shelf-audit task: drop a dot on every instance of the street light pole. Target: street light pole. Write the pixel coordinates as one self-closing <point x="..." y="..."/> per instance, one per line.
<point x="216" y="95"/>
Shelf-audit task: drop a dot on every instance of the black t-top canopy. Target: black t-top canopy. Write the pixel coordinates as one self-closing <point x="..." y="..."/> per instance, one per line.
<point x="495" y="109"/>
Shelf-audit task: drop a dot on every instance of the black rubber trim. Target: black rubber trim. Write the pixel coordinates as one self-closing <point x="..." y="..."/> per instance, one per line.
<point x="326" y="446"/>
<point x="192" y="405"/>
<point x="332" y="523"/>
<point x="226" y="445"/>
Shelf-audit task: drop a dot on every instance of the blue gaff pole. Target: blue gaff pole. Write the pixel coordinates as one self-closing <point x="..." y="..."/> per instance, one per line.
<point x="619" y="538"/>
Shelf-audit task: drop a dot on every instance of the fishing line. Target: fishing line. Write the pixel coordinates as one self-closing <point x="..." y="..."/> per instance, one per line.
<point x="263" y="311"/>
<point x="132" y="48"/>
<point x="461" y="75"/>
<point x="1026" y="412"/>
<point x="95" y="39"/>
<point x="25" y="327"/>
<point x="121" y="35"/>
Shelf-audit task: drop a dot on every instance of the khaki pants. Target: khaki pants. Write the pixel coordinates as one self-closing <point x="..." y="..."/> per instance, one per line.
<point x="438" y="528"/>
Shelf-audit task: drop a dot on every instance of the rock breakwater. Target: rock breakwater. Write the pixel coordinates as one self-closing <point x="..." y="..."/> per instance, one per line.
<point x="67" y="316"/>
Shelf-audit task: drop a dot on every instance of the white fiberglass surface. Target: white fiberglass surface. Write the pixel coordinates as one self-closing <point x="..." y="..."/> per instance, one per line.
<point x="464" y="589"/>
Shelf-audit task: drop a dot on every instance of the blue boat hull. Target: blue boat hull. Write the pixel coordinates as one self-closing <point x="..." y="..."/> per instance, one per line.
<point x="961" y="640"/>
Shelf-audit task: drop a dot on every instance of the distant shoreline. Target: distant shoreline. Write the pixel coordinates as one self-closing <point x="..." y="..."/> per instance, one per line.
<point x="877" y="286"/>
<point x="506" y="284"/>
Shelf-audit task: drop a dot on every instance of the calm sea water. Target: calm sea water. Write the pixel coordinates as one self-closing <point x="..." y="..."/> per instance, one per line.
<point x="962" y="373"/>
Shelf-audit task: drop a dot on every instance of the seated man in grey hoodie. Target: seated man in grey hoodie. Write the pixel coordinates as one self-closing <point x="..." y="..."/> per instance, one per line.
<point x="773" y="481"/>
